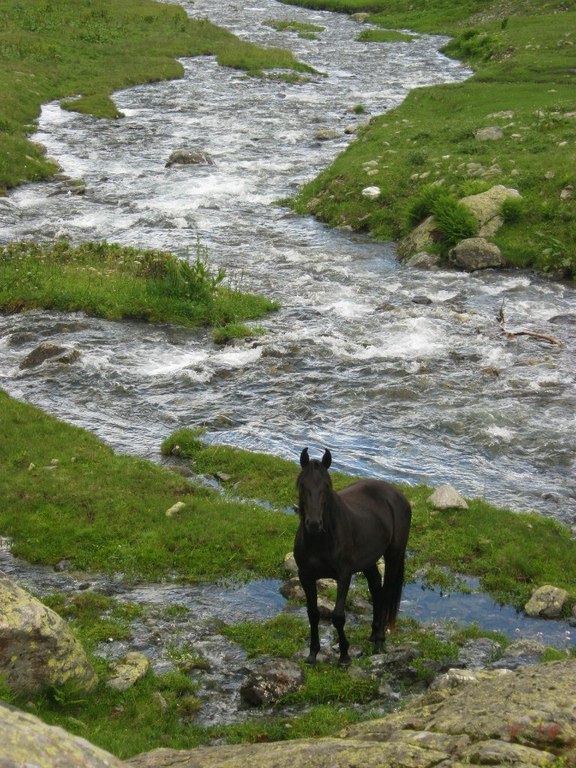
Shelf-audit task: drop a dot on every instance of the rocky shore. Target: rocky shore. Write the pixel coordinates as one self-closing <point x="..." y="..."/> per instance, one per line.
<point x="524" y="718"/>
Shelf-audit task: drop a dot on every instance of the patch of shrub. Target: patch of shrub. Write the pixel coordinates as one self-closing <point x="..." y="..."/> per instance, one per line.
<point x="424" y="203"/>
<point x="512" y="210"/>
<point x="473" y="45"/>
<point x="454" y="221"/>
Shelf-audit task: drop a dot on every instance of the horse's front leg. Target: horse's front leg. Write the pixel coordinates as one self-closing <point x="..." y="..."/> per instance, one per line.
<point x="311" y="592"/>
<point x="339" y="617"/>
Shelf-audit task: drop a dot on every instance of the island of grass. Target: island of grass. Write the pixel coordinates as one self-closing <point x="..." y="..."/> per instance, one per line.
<point x="302" y="29"/>
<point x="524" y="57"/>
<point x="123" y="283"/>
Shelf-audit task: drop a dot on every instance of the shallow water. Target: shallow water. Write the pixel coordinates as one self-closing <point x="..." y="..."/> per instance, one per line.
<point x="183" y="622"/>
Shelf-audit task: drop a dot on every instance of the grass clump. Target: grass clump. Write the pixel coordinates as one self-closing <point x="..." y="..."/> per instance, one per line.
<point x="234" y="332"/>
<point x="454" y="222"/>
<point x="383" y="36"/>
<point x="302" y="29"/>
<point x="116" y="282"/>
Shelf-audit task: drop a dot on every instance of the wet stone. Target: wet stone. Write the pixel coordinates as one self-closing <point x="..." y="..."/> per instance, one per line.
<point x="269" y="680"/>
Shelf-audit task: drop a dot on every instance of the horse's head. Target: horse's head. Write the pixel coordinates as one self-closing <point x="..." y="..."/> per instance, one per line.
<point x="314" y="491"/>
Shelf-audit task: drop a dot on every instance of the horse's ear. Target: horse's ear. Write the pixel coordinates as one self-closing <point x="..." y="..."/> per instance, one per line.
<point x="327" y="459"/>
<point x="304" y="458"/>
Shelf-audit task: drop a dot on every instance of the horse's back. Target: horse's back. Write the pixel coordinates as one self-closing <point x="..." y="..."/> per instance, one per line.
<point x="380" y="501"/>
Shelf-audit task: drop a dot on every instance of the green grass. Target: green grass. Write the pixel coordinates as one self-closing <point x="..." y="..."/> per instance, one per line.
<point x="303" y="30"/>
<point x="383" y="36"/>
<point x="84" y="506"/>
<point x="524" y="82"/>
<point x="82" y="52"/>
<point x="107" y="512"/>
<point x="115" y="282"/>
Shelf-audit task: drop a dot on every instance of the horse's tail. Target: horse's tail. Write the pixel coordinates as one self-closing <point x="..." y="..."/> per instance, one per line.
<point x="392" y="588"/>
<point x="394" y="563"/>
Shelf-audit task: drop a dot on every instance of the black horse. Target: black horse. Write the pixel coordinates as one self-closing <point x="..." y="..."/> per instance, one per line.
<point x="346" y="532"/>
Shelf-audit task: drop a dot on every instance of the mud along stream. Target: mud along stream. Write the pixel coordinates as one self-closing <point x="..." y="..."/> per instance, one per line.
<point x="403" y="374"/>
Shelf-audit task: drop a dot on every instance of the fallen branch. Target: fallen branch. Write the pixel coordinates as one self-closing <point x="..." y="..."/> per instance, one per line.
<point x="513" y="334"/>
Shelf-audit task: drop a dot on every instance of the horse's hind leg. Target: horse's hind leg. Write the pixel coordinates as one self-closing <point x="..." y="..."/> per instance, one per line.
<point x="311" y="592"/>
<point x="374" y="580"/>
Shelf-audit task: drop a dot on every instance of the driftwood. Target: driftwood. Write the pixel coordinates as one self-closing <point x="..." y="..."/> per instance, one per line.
<point x="513" y="334"/>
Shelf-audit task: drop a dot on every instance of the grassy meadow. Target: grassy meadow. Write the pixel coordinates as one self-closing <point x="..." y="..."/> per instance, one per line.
<point x="523" y="53"/>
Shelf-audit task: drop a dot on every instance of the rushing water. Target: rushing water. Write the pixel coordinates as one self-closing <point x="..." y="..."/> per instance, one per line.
<point x="397" y="388"/>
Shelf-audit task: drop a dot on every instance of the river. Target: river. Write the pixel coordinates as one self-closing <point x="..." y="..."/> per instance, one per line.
<point x="404" y="374"/>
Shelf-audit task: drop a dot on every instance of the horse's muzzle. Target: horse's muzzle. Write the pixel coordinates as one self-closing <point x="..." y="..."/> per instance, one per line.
<point x="314" y="527"/>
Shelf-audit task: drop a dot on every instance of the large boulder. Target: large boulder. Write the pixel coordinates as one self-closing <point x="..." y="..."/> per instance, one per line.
<point x="525" y="718"/>
<point x="487" y="210"/>
<point x="49" y="351"/>
<point x="487" y="207"/>
<point x="26" y="741"/>
<point x="188" y="157"/>
<point x="268" y="680"/>
<point x="37" y="649"/>
<point x="447" y="497"/>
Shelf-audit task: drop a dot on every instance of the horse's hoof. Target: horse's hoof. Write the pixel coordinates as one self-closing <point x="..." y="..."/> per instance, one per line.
<point x="344" y="661"/>
<point x="311" y="660"/>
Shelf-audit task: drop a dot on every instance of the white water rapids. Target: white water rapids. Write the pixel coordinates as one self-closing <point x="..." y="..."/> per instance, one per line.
<point x="408" y="391"/>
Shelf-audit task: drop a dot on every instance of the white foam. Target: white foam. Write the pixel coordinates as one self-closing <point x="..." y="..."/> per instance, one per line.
<point x="238" y="358"/>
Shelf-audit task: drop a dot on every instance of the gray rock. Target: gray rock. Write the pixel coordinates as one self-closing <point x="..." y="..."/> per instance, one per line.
<point x="547" y="602"/>
<point x="520" y="654"/>
<point x="269" y="680"/>
<point x="487" y="206"/>
<point x="475" y="253"/>
<point x="326" y="134"/>
<point x="128" y="670"/>
<point x="491" y="133"/>
<point x="423" y="260"/>
<point x="188" y="157"/>
<point x="49" y="351"/>
<point x="26" y="741"/>
<point x="447" y="497"/>
<point x="37" y="650"/>
<point x="372" y="193"/>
